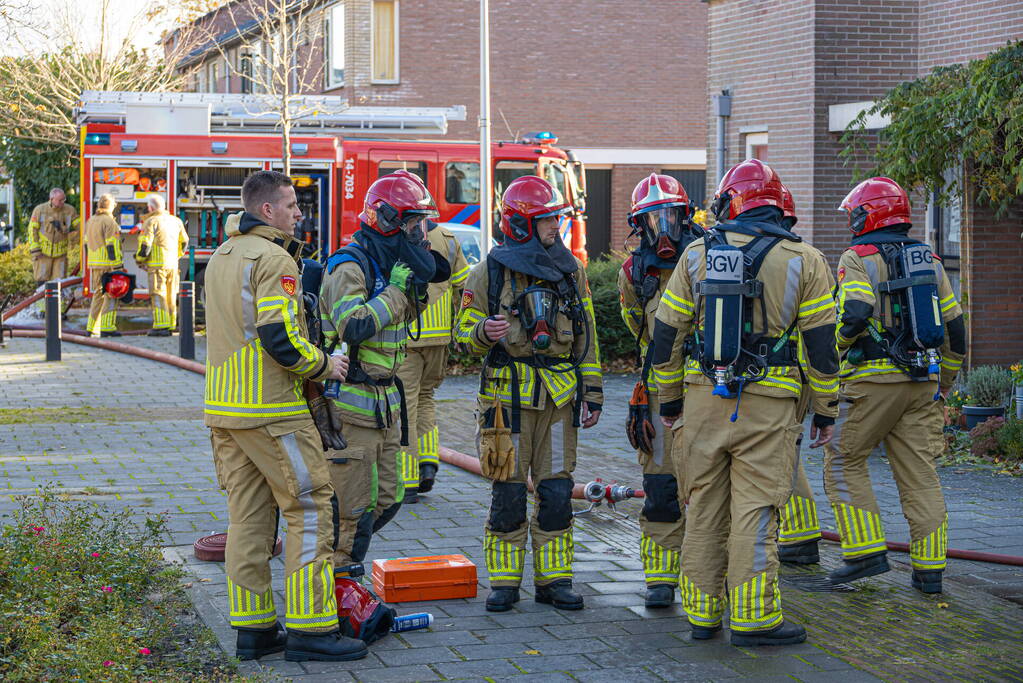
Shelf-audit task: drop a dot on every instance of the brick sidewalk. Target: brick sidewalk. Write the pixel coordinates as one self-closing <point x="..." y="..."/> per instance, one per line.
<point x="136" y="438"/>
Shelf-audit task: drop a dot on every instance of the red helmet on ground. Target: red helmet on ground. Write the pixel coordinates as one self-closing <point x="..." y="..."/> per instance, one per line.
<point x="397" y="201"/>
<point x="119" y="285"/>
<point x="788" y="206"/>
<point x="525" y="200"/>
<point x="874" y="204"/>
<point x="660" y="212"/>
<point x="747" y="185"/>
<point x="361" y="614"/>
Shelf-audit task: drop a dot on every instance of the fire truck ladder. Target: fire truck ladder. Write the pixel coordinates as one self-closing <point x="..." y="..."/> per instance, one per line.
<point x="259" y="114"/>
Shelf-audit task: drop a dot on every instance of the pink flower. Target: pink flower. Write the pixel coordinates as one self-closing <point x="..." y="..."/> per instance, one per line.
<point x="95" y="554"/>
<point x="108" y="663"/>
<point x="145" y="651"/>
<point x="107" y="589"/>
<point x="37" y="569"/>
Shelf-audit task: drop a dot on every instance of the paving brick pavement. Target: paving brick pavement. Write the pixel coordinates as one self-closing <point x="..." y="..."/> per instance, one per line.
<point x="161" y="461"/>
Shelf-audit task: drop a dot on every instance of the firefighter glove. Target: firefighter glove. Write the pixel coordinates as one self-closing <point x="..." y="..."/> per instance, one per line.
<point x="638" y="426"/>
<point x="401" y="276"/>
<point x="497" y="452"/>
<point x="332" y="438"/>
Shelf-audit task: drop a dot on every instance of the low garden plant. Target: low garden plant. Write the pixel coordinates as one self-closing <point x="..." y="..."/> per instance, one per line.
<point x="989" y="385"/>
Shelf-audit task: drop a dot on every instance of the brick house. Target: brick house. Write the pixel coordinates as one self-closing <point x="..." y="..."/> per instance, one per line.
<point x="621" y="88"/>
<point x="799" y="71"/>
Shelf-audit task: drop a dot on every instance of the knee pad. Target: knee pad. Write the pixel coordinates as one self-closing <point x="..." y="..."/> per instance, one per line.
<point x="385" y="517"/>
<point x="507" y="506"/>
<point x="363" y="534"/>
<point x="554" y="506"/>
<point x="661" y="503"/>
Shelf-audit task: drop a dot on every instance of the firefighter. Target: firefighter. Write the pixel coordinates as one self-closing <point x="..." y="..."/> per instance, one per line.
<point x="161" y="242"/>
<point x="661" y="216"/>
<point x="49" y="228"/>
<point x="103" y="255"/>
<point x="902" y="332"/>
<point x="527" y="309"/>
<point x="266" y="447"/>
<point x="425" y="367"/>
<point x="747" y="293"/>
<point x="799" y="528"/>
<point x="372" y="290"/>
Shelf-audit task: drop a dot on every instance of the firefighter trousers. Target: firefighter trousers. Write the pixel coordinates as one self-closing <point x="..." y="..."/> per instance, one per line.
<point x="103" y="309"/>
<point x="421" y="374"/>
<point x="163" y="294"/>
<point x="369" y="490"/>
<point x="546" y="450"/>
<point x="737" y="475"/>
<point x="662" y="523"/>
<point x="278" y="466"/>
<point x="906" y="418"/>
<point x="798" y="521"/>
<point x="46" y="268"/>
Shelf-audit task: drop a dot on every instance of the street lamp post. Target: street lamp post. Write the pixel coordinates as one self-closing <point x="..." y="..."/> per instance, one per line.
<point x="486" y="191"/>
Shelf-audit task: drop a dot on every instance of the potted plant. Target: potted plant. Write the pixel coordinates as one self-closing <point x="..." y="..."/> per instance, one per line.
<point x="954" y="402"/>
<point x="1017" y="379"/>
<point x="989" y="387"/>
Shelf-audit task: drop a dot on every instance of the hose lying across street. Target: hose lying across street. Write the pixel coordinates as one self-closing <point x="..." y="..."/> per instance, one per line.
<point x="451" y="457"/>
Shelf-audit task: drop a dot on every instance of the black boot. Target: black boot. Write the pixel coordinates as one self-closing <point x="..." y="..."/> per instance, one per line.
<point x="861" y="568"/>
<point x="784" y="633"/>
<point x="254" y="643"/>
<point x="799" y="553"/>
<point x="704" y="632"/>
<point x="110" y="333"/>
<point x="502" y="598"/>
<point x="660" y="595"/>
<point x="163" y="332"/>
<point x="323" y="647"/>
<point x="427" y="474"/>
<point x="411" y="496"/>
<point x="559" y="594"/>
<point x="927" y="581"/>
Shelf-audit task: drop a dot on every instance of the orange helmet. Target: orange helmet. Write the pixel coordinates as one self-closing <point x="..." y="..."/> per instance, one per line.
<point x="874" y="204"/>
<point x="397" y="201"/>
<point x="747" y="185"/>
<point x="660" y="213"/>
<point x="525" y="200"/>
<point x="788" y="206"/>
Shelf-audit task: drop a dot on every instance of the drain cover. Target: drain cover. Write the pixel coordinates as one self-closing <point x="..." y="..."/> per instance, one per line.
<point x="815" y="583"/>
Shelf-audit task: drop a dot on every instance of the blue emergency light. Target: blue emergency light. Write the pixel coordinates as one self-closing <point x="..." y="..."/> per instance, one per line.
<point x="544" y="137"/>
<point x="97" y="138"/>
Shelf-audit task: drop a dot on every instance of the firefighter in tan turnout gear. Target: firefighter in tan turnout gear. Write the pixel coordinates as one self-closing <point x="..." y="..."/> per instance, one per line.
<point x="373" y="289"/>
<point x="661" y="216"/>
<point x="49" y="230"/>
<point x="266" y="448"/>
<point x="747" y="294"/>
<point x="527" y="309"/>
<point x="162" y="241"/>
<point x="902" y="333"/>
<point x="103" y="255"/>
<point x="425" y="367"/>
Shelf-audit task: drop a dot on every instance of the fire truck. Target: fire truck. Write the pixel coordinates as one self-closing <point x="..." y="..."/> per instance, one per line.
<point x="196" y="149"/>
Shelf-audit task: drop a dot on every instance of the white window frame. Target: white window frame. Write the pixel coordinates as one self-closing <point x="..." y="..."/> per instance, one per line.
<point x="397" y="43"/>
<point x="755" y="140"/>
<point x="329" y="71"/>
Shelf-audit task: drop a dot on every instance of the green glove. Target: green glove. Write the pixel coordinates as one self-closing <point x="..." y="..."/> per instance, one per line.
<point x="401" y="276"/>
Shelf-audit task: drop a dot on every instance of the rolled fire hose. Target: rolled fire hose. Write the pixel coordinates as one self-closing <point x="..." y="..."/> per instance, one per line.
<point x="461" y="460"/>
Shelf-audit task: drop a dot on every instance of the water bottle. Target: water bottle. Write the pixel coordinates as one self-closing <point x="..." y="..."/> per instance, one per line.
<point x="332" y="387"/>
<point x="412" y="622"/>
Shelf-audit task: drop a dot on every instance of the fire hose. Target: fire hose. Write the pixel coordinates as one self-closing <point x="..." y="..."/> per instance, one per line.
<point x="471" y="464"/>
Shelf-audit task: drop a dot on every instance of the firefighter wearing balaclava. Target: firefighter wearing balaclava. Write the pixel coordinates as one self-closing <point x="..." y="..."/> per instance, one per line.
<point x="372" y="290"/>
<point x="902" y="334"/>
<point x="661" y="216"/>
<point x="527" y="310"/>
<point x="748" y="294"/>
<point x="799" y="527"/>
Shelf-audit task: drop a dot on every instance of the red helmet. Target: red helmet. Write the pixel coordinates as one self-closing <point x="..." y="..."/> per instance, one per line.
<point x="789" y="206"/>
<point x="119" y="285"/>
<point x="395" y="201"/>
<point x="747" y="185"/>
<point x="874" y="204"/>
<point x="660" y="212"/>
<point x="525" y="200"/>
<point x="361" y="614"/>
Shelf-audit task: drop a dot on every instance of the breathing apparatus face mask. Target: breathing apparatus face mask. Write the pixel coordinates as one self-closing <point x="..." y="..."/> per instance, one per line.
<point x="858" y="219"/>
<point x="538" y="310"/>
<point x="662" y="229"/>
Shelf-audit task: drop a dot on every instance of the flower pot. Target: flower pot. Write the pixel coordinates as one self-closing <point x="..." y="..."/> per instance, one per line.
<point x="978" y="414"/>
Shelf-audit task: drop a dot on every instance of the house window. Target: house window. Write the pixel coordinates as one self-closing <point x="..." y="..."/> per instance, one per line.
<point x="462" y="182"/>
<point x="214" y="76"/>
<point x="336" y="46"/>
<point x="756" y="146"/>
<point x="385" y="41"/>
<point x="946" y="230"/>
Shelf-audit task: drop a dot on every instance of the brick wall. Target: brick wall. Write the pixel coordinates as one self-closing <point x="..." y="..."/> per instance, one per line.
<point x="623" y="181"/>
<point x="953" y="31"/>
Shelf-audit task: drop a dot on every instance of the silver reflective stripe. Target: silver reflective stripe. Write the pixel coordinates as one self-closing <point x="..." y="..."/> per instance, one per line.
<point x="282" y="409"/>
<point x="792" y="275"/>
<point x="558" y="447"/>
<point x="248" y="309"/>
<point x="658" y="446"/>
<point x="760" y="545"/>
<point x="315" y="619"/>
<point x="838" y="467"/>
<point x="390" y="334"/>
<point x="872" y="274"/>
<point x="380" y="308"/>
<point x="694" y="267"/>
<point x="310" y="518"/>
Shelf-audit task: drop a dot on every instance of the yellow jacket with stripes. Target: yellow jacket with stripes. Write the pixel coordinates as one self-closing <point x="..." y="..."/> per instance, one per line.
<point x="632" y="314"/>
<point x="796" y="289"/>
<point x="436" y="320"/>
<point x="50" y="227"/>
<point x="102" y="238"/>
<point x="858" y="279"/>
<point x="536" y="386"/>
<point x="162" y="241"/>
<point x="258" y="353"/>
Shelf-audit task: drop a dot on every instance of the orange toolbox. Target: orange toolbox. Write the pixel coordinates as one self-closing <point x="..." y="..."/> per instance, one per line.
<point x="436" y="577"/>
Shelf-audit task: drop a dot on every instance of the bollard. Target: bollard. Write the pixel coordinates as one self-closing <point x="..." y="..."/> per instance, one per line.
<point x="186" y="321"/>
<point x="51" y="295"/>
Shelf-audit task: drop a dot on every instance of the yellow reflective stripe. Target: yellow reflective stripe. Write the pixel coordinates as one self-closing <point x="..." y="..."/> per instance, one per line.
<point x="821" y="303"/>
<point x="459" y="277"/>
<point x="676" y="303"/>
<point x="948" y="303"/>
<point x="823" y="385"/>
<point x="504" y="560"/>
<point x="703" y="609"/>
<point x="248" y="608"/>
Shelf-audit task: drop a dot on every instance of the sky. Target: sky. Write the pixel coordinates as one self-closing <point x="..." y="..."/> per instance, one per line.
<point x="125" y="23"/>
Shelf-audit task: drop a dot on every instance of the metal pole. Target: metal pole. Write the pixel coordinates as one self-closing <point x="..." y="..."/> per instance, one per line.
<point x="722" y="109"/>
<point x="486" y="181"/>
<point x="52" y="297"/>
<point x="186" y="321"/>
